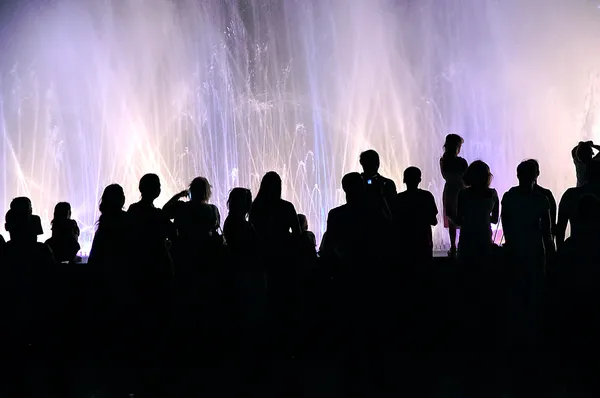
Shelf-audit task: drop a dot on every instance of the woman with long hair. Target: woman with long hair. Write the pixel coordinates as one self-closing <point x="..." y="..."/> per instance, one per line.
<point x="112" y="234"/>
<point x="453" y="168"/>
<point x="65" y="234"/>
<point x="276" y="223"/>
<point x="478" y="207"/>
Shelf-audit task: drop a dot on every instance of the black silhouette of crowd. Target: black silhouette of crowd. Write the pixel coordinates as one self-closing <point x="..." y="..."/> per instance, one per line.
<point x="171" y="304"/>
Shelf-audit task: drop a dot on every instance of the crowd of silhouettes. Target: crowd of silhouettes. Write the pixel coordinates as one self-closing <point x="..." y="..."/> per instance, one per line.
<point x="171" y="283"/>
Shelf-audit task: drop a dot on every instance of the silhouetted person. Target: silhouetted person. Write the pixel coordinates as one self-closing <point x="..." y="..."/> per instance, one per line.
<point x="23" y="204"/>
<point x="477" y="209"/>
<point x="583" y="154"/>
<point x="415" y="212"/>
<point x="526" y="224"/>
<point x="568" y="207"/>
<point x="309" y="242"/>
<point x="579" y="260"/>
<point x="245" y="259"/>
<point x="110" y="257"/>
<point x="150" y="271"/>
<point x="381" y="191"/>
<point x="197" y="223"/>
<point x="547" y="194"/>
<point x="151" y="228"/>
<point x="453" y="168"/>
<point x="276" y="224"/>
<point x="27" y="292"/>
<point x="65" y="234"/>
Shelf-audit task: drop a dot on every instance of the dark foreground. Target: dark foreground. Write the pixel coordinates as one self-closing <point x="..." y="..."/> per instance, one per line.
<point x="430" y="335"/>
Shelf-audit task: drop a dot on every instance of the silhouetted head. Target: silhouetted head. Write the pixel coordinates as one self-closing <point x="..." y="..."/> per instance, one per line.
<point x="200" y="190"/>
<point x="62" y="211"/>
<point x="270" y="187"/>
<point x="589" y="210"/>
<point x="478" y="175"/>
<point x="17" y="223"/>
<point x="584" y="152"/>
<point x="369" y="160"/>
<point x="239" y="202"/>
<point x="412" y="177"/>
<point x="303" y="221"/>
<point x="353" y="186"/>
<point x="453" y="144"/>
<point x="150" y="186"/>
<point x="113" y="199"/>
<point x="527" y="173"/>
<point x="22" y="204"/>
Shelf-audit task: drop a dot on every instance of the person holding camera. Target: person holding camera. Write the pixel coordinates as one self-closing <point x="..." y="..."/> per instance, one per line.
<point x="381" y="191"/>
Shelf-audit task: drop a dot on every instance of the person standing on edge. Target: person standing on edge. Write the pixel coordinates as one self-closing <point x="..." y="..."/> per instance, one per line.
<point x="453" y="167"/>
<point x="415" y="212"/>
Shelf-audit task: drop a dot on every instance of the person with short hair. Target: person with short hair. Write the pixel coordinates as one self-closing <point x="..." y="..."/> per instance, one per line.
<point x="415" y="212"/>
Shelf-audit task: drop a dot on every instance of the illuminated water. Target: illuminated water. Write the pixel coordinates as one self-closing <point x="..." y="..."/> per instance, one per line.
<point x="101" y="91"/>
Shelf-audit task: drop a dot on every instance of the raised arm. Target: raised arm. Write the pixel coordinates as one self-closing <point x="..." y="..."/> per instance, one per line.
<point x="170" y="207"/>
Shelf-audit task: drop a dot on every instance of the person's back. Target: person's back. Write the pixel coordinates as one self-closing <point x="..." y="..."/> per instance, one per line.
<point x="352" y="236"/>
<point x="150" y="229"/>
<point x="522" y="215"/>
<point x="415" y="212"/>
<point x="526" y="219"/>
<point x="478" y="208"/>
<point x="308" y="239"/>
<point x="274" y="219"/>
<point x="568" y="206"/>
<point x="111" y="247"/>
<point x="65" y="234"/>
<point x="26" y="267"/>
<point x="380" y="191"/>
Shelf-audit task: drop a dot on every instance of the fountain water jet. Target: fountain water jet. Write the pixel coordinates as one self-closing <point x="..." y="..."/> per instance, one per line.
<point x="101" y="91"/>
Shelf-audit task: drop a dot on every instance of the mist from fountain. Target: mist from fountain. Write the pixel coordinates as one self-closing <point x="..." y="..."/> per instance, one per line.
<point x="101" y="91"/>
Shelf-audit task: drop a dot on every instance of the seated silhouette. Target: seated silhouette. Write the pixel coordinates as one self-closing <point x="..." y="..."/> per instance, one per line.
<point x="568" y="206"/>
<point x="478" y="208"/>
<point x="415" y="212"/>
<point x="582" y="155"/>
<point x="65" y="234"/>
<point x="23" y="204"/>
<point x="151" y="228"/>
<point x="27" y="267"/>
<point x="309" y="241"/>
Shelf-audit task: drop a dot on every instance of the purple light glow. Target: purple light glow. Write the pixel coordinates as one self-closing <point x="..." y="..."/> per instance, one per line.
<point x="101" y="91"/>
